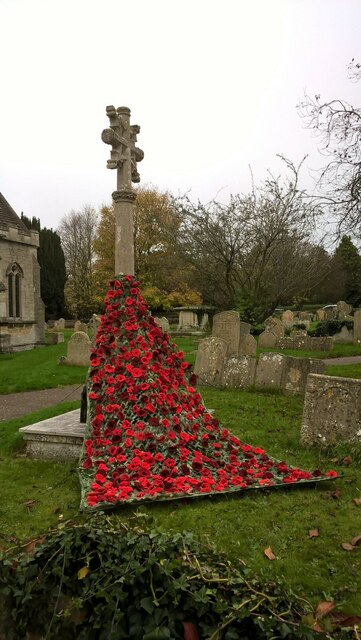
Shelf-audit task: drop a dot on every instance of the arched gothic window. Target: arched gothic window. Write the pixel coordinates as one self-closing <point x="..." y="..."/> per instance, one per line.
<point x="14" y="291"/>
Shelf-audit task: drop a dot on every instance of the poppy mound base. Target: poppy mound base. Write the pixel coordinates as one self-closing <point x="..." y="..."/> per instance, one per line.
<point x="149" y="436"/>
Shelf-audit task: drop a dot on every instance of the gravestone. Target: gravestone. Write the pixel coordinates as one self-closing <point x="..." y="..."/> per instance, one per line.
<point x="357" y="326"/>
<point x="298" y="332"/>
<point x="209" y="360"/>
<point x="187" y="320"/>
<point x="295" y="374"/>
<point x="163" y="324"/>
<point x="94" y="323"/>
<point x="204" y="322"/>
<point x="55" y="337"/>
<point x="343" y="336"/>
<point x="79" y="349"/>
<point x="247" y="345"/>
<point x="287" y="318"/>
<point x="59" y="324"/>
<point x="332" y="411"/>
<point x="275" y="326"/>
<point x="320" y="315"/>
<point x="244" y="328"/>
<point x="226" y="325"/>
<point x="343" y="310"/>
<point x="269" y="371"/>
<point x="285" y="343"/>
<point x="302" y="341"/>
<point x="80" y="326"/>
<point x="238" y="372"/>
<point x="267" y="340"/>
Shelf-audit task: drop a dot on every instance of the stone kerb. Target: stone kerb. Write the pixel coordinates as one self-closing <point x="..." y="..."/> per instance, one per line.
<point x="226" y="325"/>
<point x="209" y="360"/>
<point x="295" y="372"/>
<point x="238" y="371"/>
<point x="269" y="371"/>
<point x="79" y="349"/>
<point x="332" y="410"/>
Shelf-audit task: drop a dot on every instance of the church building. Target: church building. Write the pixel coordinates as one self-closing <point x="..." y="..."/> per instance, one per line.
<point x="22" y="323"/>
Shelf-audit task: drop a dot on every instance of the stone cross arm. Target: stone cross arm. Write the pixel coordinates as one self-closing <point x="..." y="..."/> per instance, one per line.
<point x="122" y="137"/>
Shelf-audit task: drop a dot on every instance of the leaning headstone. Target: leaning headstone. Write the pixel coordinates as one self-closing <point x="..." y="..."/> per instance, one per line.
<point x="287" y="318"/>
<point x="275" y="325"/>
<point x="295" y="374"/>
<point x="79" y="349"/>
<point x="209" y="360"/>
<point x="343" y="310"/>
<point x="332" y="411"/>
<point x="357" y="326"/>
<point x="238" y="372"/>
<point x="247" y="345"/>
<point x="267" y="340"/>
<point x="269" y="371"/>
<point x="226" y="325"/>
<point x="163" y="323"/>
<point x="55" y="337"/>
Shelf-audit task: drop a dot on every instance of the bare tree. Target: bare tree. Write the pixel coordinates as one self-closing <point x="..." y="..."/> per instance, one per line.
<point x="77" y="231"/>
<point x="338" y="126"/>
<point x="257" y="251"/>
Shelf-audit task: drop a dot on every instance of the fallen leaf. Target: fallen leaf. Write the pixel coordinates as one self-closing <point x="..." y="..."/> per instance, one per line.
<point x="190" y="631"/>
<point x="347" y="461"/>
<point x="313" y="533"/>
<point x="347" y="546"/>
<point x="324" y="608"/>
<point x="316" y="627"/>
<point x="335" y="494"/>
<point x="334" y="460"/>
<point x="82" y="573"/>
<point x="344" y="620"/>
<point x="269" y="554"/>
<point x="356" y="540"/>
<point x="30" y="547"/>
<point x="357" y="501"/>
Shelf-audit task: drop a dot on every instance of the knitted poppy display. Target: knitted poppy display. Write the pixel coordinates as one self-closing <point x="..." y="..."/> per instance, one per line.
<point x="148" y="435"/>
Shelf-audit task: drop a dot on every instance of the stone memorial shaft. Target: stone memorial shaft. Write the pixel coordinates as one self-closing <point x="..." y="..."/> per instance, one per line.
<point x="124" y="155"/>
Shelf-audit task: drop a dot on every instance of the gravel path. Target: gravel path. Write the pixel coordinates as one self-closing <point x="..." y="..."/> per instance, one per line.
<point x="15" y="405"/>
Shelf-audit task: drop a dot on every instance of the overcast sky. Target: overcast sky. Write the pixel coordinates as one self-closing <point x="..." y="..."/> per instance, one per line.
<point x="213" y="84"/>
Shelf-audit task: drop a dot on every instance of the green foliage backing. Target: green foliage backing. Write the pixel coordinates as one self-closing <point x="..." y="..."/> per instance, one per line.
<point x="330" y="327"/>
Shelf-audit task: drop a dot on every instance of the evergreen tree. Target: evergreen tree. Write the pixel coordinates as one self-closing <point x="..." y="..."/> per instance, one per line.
<point x="52" y="268"/>
<point x="350" y="264"/>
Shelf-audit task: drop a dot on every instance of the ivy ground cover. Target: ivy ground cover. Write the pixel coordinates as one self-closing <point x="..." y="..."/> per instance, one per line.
<point x="149" y="435"/>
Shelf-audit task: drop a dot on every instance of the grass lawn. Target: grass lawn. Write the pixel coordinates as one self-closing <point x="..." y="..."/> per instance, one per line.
<point x="35" y="494"/>
<point x="338" y="351"/>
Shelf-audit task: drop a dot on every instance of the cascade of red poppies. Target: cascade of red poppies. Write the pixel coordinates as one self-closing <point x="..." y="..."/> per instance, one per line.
<point x="148" y="434"/>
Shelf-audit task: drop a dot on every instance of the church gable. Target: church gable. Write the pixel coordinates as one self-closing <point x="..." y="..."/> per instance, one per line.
<point x="21" y="308"/>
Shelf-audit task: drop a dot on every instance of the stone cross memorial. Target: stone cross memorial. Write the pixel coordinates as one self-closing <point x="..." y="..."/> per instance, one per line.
<point x="124" y="156"/>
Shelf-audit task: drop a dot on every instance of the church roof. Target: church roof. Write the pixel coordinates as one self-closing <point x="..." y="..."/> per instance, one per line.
<point x="8" y="217"/>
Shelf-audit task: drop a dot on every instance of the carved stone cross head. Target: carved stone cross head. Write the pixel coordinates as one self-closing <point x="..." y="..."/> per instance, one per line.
<point x="124" y="154"/>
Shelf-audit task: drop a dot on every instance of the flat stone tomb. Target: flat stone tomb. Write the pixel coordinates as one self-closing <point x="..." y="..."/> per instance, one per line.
<point x="57" y="438"/>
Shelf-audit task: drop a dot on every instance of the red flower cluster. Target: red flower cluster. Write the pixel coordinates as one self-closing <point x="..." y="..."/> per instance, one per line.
<point x="148" y="434"/>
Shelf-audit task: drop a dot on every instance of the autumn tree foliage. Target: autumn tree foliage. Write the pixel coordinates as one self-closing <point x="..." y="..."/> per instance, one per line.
<point x="161" y="267"/>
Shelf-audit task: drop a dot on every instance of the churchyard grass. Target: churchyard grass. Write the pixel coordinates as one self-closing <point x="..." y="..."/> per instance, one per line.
<point x="37" y="495"/>
<point x="339" y="351"/>
<point x="344" y="371"/>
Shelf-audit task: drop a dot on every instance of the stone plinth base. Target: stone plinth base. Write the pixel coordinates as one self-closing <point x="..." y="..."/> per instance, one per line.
<point x="58" y="438"/>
